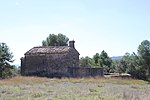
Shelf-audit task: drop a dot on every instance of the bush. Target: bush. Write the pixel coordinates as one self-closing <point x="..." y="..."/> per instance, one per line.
<point x="9" y="72"/>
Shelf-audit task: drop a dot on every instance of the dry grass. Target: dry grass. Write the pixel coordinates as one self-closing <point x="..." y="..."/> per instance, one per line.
<point x="102" y="80"/>
<point x="23" y="80"/>
<point x="27" y="80"/>
<point x="98" y="88"/>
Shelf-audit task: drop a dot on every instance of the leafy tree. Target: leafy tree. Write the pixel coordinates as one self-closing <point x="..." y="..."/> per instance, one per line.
<point x="124" y="63"/>
<point x="5" y="60"/>
<point x="86" y="62"/>
<point x="144" y="53"/>
<point x="56" y="40"/>
<point x="96" y="58"/>
<point x="105" y="61"/>
<point x="136" y="67"/>
<point x="114" y="66"/>
<point x="132" y="64"/>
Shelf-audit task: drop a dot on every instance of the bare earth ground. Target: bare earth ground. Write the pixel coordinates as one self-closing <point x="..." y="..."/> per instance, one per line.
<point x="34" y="88"/>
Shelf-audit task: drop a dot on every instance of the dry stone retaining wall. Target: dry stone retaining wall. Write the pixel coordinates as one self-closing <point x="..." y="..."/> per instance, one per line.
<point x="85" y="72"/>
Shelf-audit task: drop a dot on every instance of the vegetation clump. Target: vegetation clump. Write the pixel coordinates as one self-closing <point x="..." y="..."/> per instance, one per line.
<point x="6" y="57"/>
<point x="137" y="65"/>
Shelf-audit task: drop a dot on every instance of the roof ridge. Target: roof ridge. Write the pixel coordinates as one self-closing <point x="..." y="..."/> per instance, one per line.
<point x="48" y="46"/>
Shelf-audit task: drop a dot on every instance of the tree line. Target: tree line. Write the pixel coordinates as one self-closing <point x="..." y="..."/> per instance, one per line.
<point x="101" y="60"/>
<point x="138" y="65"/>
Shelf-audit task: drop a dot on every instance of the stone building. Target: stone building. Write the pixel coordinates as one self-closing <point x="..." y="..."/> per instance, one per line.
<point x="54" y="61"/>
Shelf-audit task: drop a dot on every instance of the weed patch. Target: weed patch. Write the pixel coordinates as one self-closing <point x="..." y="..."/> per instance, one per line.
<point x="28" y="88"/>
<point x="36" y="95"/>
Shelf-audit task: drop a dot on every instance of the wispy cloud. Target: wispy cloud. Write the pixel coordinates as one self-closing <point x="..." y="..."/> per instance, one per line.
<point x="17" y="3"/>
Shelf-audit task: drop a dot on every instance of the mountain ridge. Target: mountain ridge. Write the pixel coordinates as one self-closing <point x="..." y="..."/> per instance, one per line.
<point x="116" y="57"/>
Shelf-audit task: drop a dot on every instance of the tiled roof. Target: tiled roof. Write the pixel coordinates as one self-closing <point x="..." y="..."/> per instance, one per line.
<point x="48" y="50"/>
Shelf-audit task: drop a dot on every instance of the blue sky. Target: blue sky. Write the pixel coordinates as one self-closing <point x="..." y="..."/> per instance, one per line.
<point x="116" y="26"/>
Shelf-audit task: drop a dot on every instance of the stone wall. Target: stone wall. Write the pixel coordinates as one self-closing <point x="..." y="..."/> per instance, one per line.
<point x="49" y="63"/>
<point x="85" y="72"/>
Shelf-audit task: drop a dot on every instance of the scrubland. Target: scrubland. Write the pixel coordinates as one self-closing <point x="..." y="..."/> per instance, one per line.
<point x="37" y="88"/>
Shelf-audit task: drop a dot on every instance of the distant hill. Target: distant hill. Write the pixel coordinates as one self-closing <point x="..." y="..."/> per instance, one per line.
<point x="116" y="57"/>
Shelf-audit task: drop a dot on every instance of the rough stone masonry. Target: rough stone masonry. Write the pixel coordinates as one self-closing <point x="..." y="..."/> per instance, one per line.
<point x="55" y="61"/>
